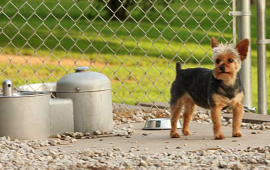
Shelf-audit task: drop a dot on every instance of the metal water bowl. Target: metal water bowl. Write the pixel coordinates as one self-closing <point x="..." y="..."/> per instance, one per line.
<point x="160" y="124"/>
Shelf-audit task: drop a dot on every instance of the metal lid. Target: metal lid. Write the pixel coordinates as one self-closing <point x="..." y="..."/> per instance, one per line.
<point x="83" y="81"/>
<point x="38" y="87"/>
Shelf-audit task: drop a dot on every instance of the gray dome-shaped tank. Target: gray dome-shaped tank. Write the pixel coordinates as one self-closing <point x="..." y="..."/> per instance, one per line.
<point x="91" y="96"/>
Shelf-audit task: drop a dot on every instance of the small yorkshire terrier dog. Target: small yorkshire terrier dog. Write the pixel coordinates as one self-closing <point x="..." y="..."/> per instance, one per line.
<point x="214" y="89"/>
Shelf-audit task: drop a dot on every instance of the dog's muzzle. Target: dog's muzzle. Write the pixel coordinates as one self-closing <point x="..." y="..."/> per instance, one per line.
<point x="222" y="68"/>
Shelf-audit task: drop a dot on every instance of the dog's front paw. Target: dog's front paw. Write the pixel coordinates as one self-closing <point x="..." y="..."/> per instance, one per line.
<point x="186" y="132"/>
<point x="237" y="134"/>
<point x="175" y="135"/>
<point x="219" y="136"/>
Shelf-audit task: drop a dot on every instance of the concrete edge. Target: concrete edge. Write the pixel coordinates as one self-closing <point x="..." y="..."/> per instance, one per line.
<point x="248" y="117"/>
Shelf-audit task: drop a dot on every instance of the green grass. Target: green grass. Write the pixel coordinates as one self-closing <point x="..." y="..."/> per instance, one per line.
<point x="140" y="66"/>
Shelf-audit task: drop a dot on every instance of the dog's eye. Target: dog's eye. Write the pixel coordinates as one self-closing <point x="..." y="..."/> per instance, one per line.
<point x="218" y="61"/>
<point x="230" y="60"/>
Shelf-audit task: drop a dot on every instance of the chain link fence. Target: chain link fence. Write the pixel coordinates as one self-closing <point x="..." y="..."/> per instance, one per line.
<point x="135" y="43"/>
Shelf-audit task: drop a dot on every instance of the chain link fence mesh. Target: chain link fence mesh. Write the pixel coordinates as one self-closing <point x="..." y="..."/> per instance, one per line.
<point x="134" y="42"/>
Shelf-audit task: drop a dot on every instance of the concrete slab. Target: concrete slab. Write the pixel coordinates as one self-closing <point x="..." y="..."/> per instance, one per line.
<point x="248" y="117"/>
<point x="251" y="117"/>
<point x="158" y="141"/>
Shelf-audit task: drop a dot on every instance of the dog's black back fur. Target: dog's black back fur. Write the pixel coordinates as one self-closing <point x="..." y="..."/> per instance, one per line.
<point x="200" y="84"/>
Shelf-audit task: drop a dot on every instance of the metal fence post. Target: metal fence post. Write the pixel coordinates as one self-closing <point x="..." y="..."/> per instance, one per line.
<point x="261" y="53"/>
<point x="244" y="32"/>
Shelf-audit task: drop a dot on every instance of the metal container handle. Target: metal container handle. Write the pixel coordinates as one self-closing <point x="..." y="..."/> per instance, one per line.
<point x="81" y="69"/>
<point x="7" y="88"/>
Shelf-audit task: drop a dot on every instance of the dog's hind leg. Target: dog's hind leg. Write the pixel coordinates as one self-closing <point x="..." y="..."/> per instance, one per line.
<point x="187" y="116"/>
<point x="175" y="113"/>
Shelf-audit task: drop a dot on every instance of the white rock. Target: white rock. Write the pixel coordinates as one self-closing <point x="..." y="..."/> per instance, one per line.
<point x="253" y="161"/>
<point x="143" y="163"/>
<point x="139" y="119"/>
<point x="67" y="138"/>
<point x="267" y="162"/>
<point x="124" y="120"/>
<point x="97" y="132"/>
<point x="110" y="154"/>
<point x="73" y="140"/>
<point x="167" y="112"/>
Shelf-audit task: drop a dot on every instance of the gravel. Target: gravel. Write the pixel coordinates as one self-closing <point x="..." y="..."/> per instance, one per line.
<point x="20" y="155"/>
<point x="24" y="155"/>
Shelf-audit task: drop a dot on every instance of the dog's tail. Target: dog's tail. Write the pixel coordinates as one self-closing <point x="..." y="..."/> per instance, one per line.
<point x="178" y="67"/>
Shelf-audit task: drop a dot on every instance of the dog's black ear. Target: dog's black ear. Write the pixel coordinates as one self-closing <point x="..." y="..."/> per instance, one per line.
<point x="242" y="48"/>
<point x="214" y="42"/>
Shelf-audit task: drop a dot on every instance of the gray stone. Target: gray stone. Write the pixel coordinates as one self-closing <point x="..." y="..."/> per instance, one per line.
<point x="145" y="134"/>
<point x="52" y="142"/>
<point x="235" y="166"/>
<point x="222" y="164"/>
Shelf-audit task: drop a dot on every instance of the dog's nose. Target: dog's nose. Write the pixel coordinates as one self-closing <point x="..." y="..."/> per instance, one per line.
<point x="222" y="68"/>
